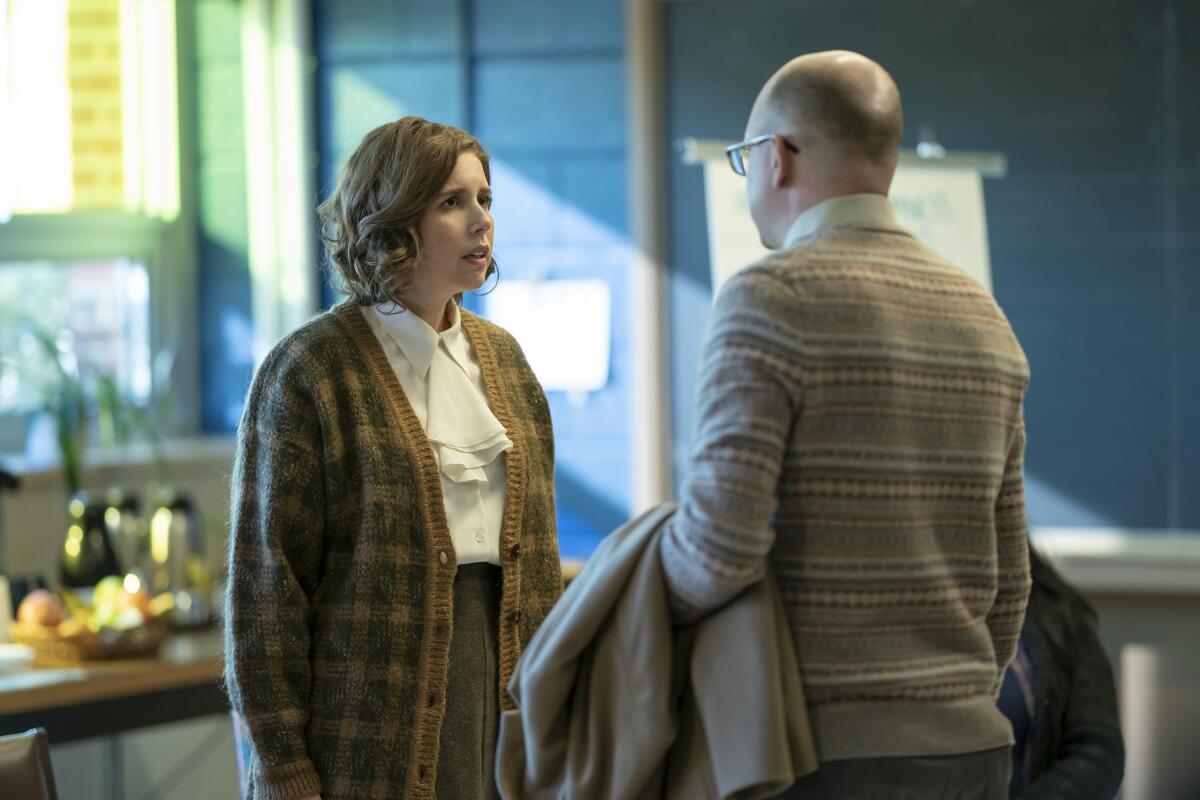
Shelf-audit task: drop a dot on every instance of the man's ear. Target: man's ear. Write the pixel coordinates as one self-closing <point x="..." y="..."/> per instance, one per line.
<point x="782" y="165"/>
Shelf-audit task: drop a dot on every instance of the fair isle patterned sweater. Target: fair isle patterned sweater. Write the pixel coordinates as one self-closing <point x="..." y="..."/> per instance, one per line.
<point x="859" y="428"/>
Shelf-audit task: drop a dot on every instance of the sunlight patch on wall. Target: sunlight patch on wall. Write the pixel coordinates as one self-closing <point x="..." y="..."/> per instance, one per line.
<point x="1048" y="506"/>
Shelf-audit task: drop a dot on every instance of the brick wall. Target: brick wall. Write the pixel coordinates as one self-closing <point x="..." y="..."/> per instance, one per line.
<point x="94" y="75"/>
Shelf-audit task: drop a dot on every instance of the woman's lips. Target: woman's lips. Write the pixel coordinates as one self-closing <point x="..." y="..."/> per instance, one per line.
<point x="480" y="257"/>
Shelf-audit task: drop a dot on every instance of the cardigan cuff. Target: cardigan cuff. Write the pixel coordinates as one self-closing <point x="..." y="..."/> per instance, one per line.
<point x="288" y="782"/>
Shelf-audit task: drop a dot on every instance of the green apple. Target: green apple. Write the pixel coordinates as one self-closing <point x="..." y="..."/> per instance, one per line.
<point x="106" y="590"/>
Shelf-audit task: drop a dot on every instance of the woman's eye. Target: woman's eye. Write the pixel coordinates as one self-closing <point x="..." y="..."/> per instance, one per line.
<point x="450" y="202"/>
<point x="485" y="200"/>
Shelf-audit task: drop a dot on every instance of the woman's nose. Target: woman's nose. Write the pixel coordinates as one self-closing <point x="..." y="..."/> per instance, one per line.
<point x="483" y="220"/>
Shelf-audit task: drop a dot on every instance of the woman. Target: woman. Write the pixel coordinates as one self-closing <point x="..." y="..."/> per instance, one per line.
<point x="1059" y="695"/>
<point x="393" y="541"/>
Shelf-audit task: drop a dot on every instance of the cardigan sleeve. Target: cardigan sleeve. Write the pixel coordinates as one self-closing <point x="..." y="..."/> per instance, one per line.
<point x="747" y="394"/>
<point x="277" y="518"/>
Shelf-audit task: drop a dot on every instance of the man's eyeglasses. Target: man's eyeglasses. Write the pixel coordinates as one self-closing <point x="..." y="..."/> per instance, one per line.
<point x="738" y="153"/>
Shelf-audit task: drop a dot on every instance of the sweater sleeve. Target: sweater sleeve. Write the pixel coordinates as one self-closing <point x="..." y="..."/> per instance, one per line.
<point x="277" y="517"/>
<point x="746" y="395"/>
<point x="1012" y="556"/>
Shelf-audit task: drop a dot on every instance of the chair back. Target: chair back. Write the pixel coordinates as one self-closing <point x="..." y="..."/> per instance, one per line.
<point x="25" y="771"/>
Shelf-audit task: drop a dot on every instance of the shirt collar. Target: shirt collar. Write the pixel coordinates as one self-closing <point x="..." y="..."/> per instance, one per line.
<point x="848" y="211"/>
<point x="454" y="338"/>
<point x="417" y="340"/>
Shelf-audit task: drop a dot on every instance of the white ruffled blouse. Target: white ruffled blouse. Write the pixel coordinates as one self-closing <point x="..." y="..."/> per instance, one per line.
<point x="444" y="384"/>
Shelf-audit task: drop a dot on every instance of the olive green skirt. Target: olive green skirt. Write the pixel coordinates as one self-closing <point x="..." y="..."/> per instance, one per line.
<point x="467" y="753"/>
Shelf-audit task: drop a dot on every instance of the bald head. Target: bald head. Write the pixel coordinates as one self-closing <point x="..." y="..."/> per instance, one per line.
<point x="838" y="101"/>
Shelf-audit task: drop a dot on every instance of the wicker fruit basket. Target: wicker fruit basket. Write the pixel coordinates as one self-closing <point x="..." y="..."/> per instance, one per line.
<point x="54" y="648"/>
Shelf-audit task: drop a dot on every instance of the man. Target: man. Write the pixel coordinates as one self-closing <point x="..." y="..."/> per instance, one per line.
<point x="859" y="410"/>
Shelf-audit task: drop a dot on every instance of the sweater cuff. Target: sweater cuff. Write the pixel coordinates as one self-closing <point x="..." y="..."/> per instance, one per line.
<point x="288" y="782"/>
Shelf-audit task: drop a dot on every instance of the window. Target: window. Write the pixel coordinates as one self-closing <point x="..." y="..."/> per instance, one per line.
<point x="92" y="245"/>
<point x="96" y="310"/>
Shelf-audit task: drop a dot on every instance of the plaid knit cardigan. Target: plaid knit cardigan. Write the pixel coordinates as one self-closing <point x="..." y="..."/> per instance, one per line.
<point x="341" y="566"/>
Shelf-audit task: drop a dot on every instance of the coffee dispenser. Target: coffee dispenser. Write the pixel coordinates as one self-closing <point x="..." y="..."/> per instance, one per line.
<point x="176" y="562"/>
<point x="87" y="552"/>
<point x="126" y="528"/>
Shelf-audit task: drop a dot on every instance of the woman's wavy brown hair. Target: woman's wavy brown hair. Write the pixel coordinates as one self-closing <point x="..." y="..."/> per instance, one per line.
<point x="369" y="222"/>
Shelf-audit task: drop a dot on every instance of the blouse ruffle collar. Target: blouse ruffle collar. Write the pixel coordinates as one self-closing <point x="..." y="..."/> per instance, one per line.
<point x="465" y="434"/>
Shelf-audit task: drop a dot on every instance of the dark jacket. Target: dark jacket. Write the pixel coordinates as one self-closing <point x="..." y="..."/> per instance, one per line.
<point x="1077" y="750"/>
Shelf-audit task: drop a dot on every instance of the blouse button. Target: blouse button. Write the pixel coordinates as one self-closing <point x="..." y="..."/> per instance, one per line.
<point x="442" y="557"/>
<point x="479" y="538"/>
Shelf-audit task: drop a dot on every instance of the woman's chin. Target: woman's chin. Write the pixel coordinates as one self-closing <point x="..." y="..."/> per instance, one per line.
<point x="477" y="281"/>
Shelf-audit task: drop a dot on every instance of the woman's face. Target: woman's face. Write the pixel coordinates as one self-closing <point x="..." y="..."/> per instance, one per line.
<point x="456" y="234"/>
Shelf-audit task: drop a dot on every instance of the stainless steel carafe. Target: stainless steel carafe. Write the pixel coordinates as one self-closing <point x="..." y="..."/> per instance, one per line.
<point x="87" y="552"/>
<point x="176" y="562"/>
<point x="126" y="529"/>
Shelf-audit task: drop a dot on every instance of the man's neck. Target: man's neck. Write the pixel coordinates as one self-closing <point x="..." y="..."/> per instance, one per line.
<point x="858" y="210"/>
<point x="801" y="200"/>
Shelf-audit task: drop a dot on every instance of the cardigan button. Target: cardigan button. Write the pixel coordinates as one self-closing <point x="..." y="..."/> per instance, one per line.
<point x="516" y="550"/>
<point x="443" y="557"/>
